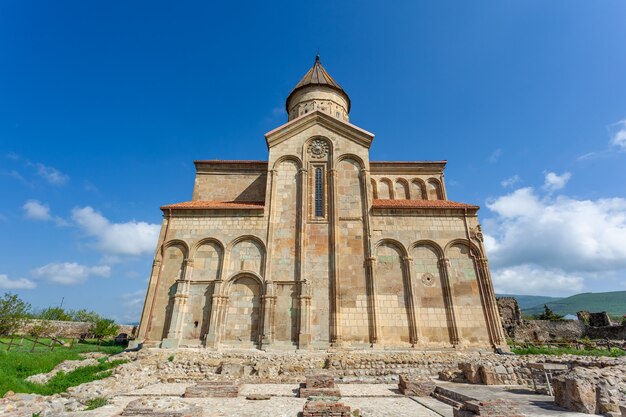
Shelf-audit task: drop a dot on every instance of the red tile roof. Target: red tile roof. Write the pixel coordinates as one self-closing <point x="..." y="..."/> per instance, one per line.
<point x="216" y="205"/>
<point x="422" y="204"/>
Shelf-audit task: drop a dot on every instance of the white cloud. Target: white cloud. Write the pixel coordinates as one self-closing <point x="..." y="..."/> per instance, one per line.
<point x="16" y="284"/>
<point x="618" y="134"/>
<point x="535" y="280"/>
<point x="565" y="233"/>
<point x="555" y="182"/>
<point x="50" y="174"/>
<point x="36" y="210"/>
<point x="511" y="181"/>
<point x="70" y="273"/>
<point x="130" y="238"/>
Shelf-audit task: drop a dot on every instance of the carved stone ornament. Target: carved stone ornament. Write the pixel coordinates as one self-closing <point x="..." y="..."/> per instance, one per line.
<point x="477" y="233"/>
<point x="428" y="279"/>
<point x="318" y="149"/>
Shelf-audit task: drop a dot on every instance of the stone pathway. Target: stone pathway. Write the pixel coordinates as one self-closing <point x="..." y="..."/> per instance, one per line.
<point x="380" y="400"/>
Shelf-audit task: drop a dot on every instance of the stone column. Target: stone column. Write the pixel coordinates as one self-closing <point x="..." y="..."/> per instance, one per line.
<point x="451" y="314"/>
<point x="371" y="300"/>
<point x="414" y="328"/>
<point x="268" y="304"/>
<point x="179" y="309"/>
<point x="496" y="332"/>
<point x="304" y="335"/>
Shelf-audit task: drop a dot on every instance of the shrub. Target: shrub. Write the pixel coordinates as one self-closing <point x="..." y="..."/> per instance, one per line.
<point x="97" y="402"/>
<point x="104" y="328"/>
<point x="548" y="314"/>
<point x="13" y="313"/>
<point x="170" y="358"/>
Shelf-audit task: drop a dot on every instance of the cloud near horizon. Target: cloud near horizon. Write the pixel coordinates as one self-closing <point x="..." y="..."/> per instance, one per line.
<point x="131" y="238"/>
<point x="553" y="244"/>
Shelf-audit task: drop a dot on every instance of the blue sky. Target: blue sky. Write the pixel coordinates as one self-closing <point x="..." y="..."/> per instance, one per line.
<point x="104" y="106"/>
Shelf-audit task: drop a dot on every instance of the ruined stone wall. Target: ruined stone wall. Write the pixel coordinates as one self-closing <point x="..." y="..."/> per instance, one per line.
<point x="73" y="329"/>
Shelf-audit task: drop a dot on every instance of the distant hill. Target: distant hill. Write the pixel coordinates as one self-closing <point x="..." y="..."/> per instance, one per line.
<point x="613" y="303"/>
<point x="528" y="301"/>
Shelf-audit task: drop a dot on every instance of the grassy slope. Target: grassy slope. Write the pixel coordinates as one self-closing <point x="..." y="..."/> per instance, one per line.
<point x="18" y="364"/>
<point x="528" y="301"/>
<point x="613" y="303"/>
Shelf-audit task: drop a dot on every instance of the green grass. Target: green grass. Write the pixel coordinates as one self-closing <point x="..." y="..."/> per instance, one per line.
<point x="96" y="403"/>
<point x="19" y="363"/>
<point x="614" y="352"/>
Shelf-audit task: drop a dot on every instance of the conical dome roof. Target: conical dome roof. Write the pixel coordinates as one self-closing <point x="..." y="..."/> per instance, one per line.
<point x="318" y="76"/>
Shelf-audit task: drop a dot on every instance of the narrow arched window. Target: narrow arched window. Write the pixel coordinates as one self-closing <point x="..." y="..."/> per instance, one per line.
<point x="319" y="193"/>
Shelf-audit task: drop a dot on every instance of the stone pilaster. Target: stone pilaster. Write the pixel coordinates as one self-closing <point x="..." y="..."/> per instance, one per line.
<point x="304" y="335"/>
<point x="335" y="313"/>
<point x="490" y="305"/>
<point x="179" y="309"/>
<point x="371" y="300"/>
<point x="216" y="322"/>
<point x="451" y="314"/>
<point x="151" y="293"/>
<point x="268" y="303"/>
<point x="414" y="328"/>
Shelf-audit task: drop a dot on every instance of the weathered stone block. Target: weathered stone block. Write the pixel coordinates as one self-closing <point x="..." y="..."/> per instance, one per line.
<point x="161" y="407"/>
<point x="325" y="407"/>
<point x="416" y="386"/>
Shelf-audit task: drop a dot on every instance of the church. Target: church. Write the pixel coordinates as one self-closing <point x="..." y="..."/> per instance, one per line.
<point x="319" y="247"/>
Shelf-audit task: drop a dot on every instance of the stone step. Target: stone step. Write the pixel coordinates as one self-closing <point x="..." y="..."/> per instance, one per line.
<point x="450" y="397"/>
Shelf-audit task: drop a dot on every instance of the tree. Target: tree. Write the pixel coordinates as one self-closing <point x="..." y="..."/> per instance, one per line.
<point x="13" y="313"/>
<point x="549" y="314"/>
<point x="85" y="316"/>
<point x="54" y="313"/>
<point x="104" y="328"/>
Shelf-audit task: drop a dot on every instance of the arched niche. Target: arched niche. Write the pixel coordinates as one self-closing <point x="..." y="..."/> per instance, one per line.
<point x="207" y="260"/>
<point x="418" y="190"/>
<point x="401" y="189"/>
<point x="391" y="294"/>
<point x="465" y="291"/>
<point x="247" y="254"/>
<point x="243" y="314"/>
<point x="385" y="189"/>
<point x="434" y="189"/>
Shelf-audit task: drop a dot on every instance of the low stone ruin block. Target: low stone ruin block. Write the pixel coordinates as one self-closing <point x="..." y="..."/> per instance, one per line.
<point x="416" y="386"/>
<point x="319" y="385"/>
<point x="319" y="392"/>
<point x="161" y="407"/>
<point x="212" y="389"/>
<point x="325" y="407"/>
<point x="492" y="408"/>
<point x="320" y="381"/>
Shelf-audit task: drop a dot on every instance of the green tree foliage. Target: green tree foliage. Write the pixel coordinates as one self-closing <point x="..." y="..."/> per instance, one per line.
<point x="84" y="315"/>
<point x="549" y="314"/>
<point x="13" y="312"/>
<point x="54" y="313"/>
<point x="104" y="328"/>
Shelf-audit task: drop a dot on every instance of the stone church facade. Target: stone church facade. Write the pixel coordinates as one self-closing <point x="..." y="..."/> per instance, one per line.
<point x="318" y="246"/>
